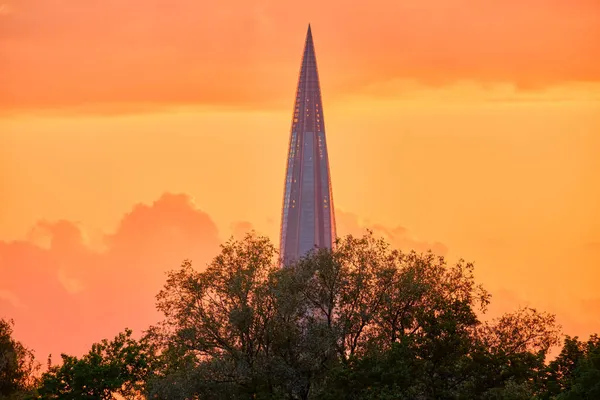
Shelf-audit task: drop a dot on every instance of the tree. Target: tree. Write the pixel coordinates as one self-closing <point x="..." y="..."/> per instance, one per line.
<point x="575" y="373"/>
<point x="558" y="374"/>
<point x="120" y="366"/>
<point x="359" y="321"/>
<point x="403" y="315"/>
<point x="511" y="351"/>
<point x="413" y="318"/>
<point x="17" y="364"/>
<point x="585" y="382"/>
<point x="217" y="321"/>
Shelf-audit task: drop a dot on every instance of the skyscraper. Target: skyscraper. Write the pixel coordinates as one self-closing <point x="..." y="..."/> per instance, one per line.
<point x="307" y="218"/>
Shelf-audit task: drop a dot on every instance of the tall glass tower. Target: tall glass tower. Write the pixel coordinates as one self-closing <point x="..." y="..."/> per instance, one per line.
<point x="307" y="218"/>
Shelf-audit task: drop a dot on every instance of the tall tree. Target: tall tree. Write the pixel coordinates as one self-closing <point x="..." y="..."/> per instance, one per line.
<point x="360" y="321"/>
<point x="217" y="321"/>
<point x="17" y="364"/>
<point x="575" y="373"/>
<point x="585" y="382"/>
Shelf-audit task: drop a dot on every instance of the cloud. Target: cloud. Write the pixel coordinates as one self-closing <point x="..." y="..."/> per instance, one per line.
<point x="64" y="295"/>
<point x="71" y="285"/>
<point x="350" y="224"/>
<point x="65" y="291"/>
<point x="240" y="228"/>
<point x="133" y="55"/>
<point x="4" y="9"/>
<point x="10" y="298"/>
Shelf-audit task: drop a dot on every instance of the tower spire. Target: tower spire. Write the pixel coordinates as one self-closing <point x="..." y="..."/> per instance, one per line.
<point x="308" y="218"/>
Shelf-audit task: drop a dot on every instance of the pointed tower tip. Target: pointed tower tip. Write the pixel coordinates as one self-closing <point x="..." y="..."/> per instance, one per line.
<point x="309" y="34"/>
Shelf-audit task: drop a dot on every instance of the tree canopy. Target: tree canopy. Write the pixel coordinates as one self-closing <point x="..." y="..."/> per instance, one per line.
<point x="17" y="364"/>
<point x="361" y="321"/>
<point x="120" y="366"/>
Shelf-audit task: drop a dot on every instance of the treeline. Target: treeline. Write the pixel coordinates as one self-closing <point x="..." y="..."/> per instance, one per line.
<point x="360" y="322"/>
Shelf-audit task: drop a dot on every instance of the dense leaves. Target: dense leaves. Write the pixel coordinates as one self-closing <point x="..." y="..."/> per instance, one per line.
<point x="120" y="366"/>
<point x="575" y="373"/>
<point x="17" y="364"/>
<point x="362" y="321"/>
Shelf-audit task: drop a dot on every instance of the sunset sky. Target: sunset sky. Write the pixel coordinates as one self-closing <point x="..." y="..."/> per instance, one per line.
<point x="135" y="134"/>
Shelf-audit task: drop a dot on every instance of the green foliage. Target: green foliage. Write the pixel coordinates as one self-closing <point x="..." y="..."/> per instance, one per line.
<point x="361" y="321"/>
<point x="17" y="365"/>
<point x="585" y="382"/>
<point x="119" y="366"/>
<point x="575" y="373"/>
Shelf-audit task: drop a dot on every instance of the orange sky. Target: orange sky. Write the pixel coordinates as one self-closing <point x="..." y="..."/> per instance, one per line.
<point x="136" y="134"/>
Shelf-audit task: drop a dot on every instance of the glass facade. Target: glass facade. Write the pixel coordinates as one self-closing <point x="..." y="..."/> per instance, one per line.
<point x="307" y="219"/>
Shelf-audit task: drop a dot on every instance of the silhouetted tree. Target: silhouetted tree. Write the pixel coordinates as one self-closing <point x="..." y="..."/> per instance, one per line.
<point x="120" y="366"/>
<point x="585" y="383"/>
<point x="17" y="364"/>
<point x="575" y="373"/>
<point x="361" y="321"/>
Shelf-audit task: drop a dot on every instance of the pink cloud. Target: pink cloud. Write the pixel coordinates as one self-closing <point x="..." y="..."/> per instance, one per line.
<point x="240" y="228"/>
<point x="398" y="236"/>
<point x="65" y="296"/>
<point x="132" y="55"/>
<point x="65" y="292"/>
